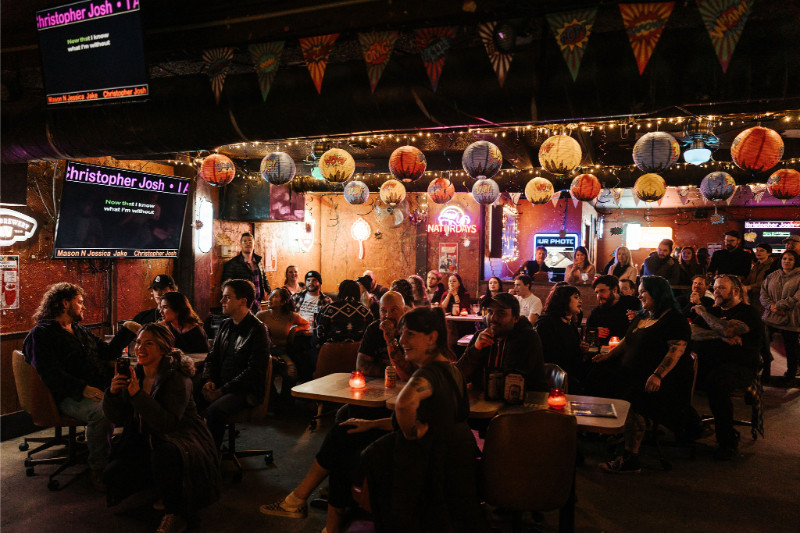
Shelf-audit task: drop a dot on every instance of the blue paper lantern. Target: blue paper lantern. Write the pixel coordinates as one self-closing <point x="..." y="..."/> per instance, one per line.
<point x="656" y="151"/>
<point x="356" y="192"/>
<point x="278" y="168"/>
<point x="482" y="159"/>
<point x="485" y="191"/>
<point x="718" y="186"/>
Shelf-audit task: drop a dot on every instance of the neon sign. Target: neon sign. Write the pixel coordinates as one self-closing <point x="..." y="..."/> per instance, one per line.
<point x="14" y="227"/>
<point x="452" y="219"/>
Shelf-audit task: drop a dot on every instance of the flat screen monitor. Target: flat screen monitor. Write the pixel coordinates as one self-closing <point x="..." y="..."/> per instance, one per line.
<point x="92" y="52"/>
<point x="771" y="232"/>
<point x="118" y="213"/>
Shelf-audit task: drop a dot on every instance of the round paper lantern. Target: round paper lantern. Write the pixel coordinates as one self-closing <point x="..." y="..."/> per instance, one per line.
<point x="336" y="165"/>
<point x="585" y="187"/>
<point x="650" y="187"/>
<point x="441" y="191"/>
<point x="407" y="164"/>
<point x="356" y="192"/>
<point x="559" y="154"/>
<point x="656" y="151"/>
<point x="485" y="191"/>
<point x="392" y="192"/>
<point x="217" y="170"/>
<point x="539" y="191"/>
<point x="278" y="168"/>
<point x="757" y="148"/>
<point x="482" y="158"/>
<point x="718" y="186"/>
<point x="784" y="184"/>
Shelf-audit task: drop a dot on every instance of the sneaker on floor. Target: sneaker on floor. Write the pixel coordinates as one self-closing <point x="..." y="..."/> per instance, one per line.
<point x="278" y="509"/>
<point x="622" y="466"/>
<point x="172" y="523"/>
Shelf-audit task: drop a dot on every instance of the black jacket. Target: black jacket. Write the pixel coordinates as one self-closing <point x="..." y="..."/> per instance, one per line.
<point x="68" y="363"/>
<point x="148" y="317"/>
<point x="251" y="345"/>
<point x="668" y="268"/>
<point x="236" y="268"/>
<point x="737" y="262"/>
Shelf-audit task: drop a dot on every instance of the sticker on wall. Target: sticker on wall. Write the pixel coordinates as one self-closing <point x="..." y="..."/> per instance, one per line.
<point x="306" y="238"/>
<point x="9" y="275"/>
<point x="15" y="227"/>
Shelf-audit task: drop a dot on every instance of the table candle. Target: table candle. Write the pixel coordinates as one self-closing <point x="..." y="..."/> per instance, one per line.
<point x="464" y="312"/>
<point x="357" y="380"/>
<point x="557" y="399"/>
<point x="613" y="342"/>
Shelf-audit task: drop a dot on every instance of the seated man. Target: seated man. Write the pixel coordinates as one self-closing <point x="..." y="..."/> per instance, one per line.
<point x="344" y="320"/>
<point x="694" y="298"/>
<point x="530" y="306"/>
<point x="435" y="288"/>
<point x="308" y="303"/>
<point x="235" y="371"/>
<point x="380" y="346"/>
<point x="161" y="285"/>
<point x="72" y="363"/>
<point x="628" y="288"/>
<point x="376" y="289"/>
<point x="509" y="343"/>
<point x="727" y="339"/>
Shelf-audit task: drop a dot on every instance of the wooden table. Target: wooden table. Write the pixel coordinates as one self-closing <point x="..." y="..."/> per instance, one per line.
<point x="478" y="407"/>
<point x="596" y="424"/>
<point x="465" y="340"/>
<point x="336" y="388"/>
<point x="465" y="318"/>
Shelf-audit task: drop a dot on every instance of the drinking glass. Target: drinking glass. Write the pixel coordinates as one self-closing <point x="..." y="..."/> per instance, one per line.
<point x="476" y="309"/>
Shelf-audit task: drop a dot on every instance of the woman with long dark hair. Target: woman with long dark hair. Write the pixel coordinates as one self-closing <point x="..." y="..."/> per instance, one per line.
<point x="418" y="289"/>
<point x="493" y="286"/>
<point x="183" y="323"/>
<point x="689" y="265"/>
<point x="456" y="295"/>
<point x="581" y="271"/>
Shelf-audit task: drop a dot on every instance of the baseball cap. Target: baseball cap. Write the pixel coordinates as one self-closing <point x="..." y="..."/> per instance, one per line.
<point x="162" y="281"/>
<point x="504" y="300"/>
<point x="314" y="274"/>
<point x="795" y="238"/>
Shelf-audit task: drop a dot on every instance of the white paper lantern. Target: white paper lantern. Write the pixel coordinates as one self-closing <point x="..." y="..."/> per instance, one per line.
<point x="560" y="154"/>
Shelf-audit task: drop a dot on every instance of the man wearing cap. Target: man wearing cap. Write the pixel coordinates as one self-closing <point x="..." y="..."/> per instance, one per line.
<point x="247" y="265"/>
<point x="792" y="242"/>
<point x="376" y="290"/>
<point x="732" y="259"/>
<point x="161" y="285"/>
<point x="308" y="303"/>
<point x="508" y="344"/>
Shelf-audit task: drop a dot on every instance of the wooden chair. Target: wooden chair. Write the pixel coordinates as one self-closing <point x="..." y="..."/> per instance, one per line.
<point x="528" y="464"/>
<point x="253" y="414"/>
<point x="37" y="400"/>
<point x="556" y="377"/>
<point x="334" y="357"/>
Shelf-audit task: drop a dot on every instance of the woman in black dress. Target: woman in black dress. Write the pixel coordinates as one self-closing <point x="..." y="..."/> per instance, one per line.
<point x="656" y="371"/>
<point x="183" y="322"/>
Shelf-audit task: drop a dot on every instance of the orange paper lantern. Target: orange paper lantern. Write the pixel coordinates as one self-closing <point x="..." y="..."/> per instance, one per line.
<point x="441" y="191"/>
<point x="757" y="148"/>
<point x="784" y="184"/>
<point x="407" y="164"/>
<point x="217" y="170"/>
<point x="585" y="187"/>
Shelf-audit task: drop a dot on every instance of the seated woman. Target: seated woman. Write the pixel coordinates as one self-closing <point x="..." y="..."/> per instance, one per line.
<point x="655" y="375"/>
<point x="622" y="267"/>
<point x="452" y="302"/>
<point x="418" y="288"/>
<point x="581" y="271"/>
<point x="429" y="455"/>
<point x="403" y="286"/>
<point x="291" y="283"/>
<point x="493" y="287"/>
<point x="164" y="441"/>
<point x="283" y="324"/>
<point x="183" y="323"/>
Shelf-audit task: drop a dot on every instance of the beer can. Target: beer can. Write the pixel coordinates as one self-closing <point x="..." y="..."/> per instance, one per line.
<point x="494" y="389"/>
<point x="456" y="310"/>
<point x="391" y="377"/>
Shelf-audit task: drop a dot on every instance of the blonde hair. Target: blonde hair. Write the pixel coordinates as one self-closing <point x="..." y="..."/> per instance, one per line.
<point x="627" y="254"/>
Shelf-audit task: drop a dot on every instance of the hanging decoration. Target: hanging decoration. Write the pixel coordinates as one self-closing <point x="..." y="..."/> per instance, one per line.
<point x="392" y="192"/>
<point x="217" y="170"/>
<point x="356" y="192"/>
<point x="441" y="191"/>
<point x="683" y="195"/>
<point x="278" y="168"/>
<point x="336" y="165"/>
<point x="717" y="186"/>
<point x="316" y="51"/>
<point x="784" y="184"/>
<point x="515" y="197"/>
<point x="560" y="154"/>
<point x="644" y="24"/>
<point x="377" y="49"/>
<point x="539" y="191"/>
<point x="656" y="151"/>
<point x="724" y="20"/>
<point x="360" y="232"/>
<point x="482" y="159"/>
<point x="485" y="191"/>
<point x="500" y="61"/>
<point x="433" y="44"/>
<point x="585" y="187"/>
<point x="571" y="30"/>
<point x="649" y="188"/>
<point x="407" y="164"/>
<point x="266" y="59"/>
<point x="556" y="198"/>
<point x="217" y="62"/>
<point x="757" y="148"/>
<point x="758" y="190"/>
<point x="616" y="193"/>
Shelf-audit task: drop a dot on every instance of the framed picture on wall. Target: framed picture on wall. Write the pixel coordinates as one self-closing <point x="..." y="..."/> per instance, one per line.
<point x="448" y="258"/>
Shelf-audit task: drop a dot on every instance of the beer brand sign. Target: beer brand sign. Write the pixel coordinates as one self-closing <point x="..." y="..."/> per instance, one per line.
<point x="452" y="219"/>
<point x="15" y="227"/>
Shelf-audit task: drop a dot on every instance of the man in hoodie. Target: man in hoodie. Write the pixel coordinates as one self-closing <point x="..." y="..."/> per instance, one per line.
<point x="660" y="263"/>
<point x="509" y="344"/>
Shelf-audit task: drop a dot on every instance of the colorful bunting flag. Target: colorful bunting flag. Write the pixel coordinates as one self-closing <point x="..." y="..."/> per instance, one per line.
<point x="571" y="30"/>
<point x="556" y="198"/>
<point x="500" y="61"/>
<point x="217" y="62"/>
<point x="730" y="198"/>
<point x="644" y="24"/>
<point x="683" y="194"/>
<point x="636" y="199"/>
<point x="316" y="51"/>
<point x="724" y="20"/>
<point x="266" y="59"/>
<point x="377" y="48"/>
<point x="617" y="193"/>
<point x="433" y="44"/>
<point x="515" y="196"/>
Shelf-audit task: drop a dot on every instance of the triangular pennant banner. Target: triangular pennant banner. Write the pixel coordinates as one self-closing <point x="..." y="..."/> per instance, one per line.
<point x="316" y="51"/>
<point x="683" y="194"/>
<point x="730" y="198"/>
<point x="635" y="198"/>
<point x="724" y="20"/>
<point x="217" y="62"/>
<point x="515" y="196"/>
<point x="575" y="202"/>
<point x="571" y="30"/>
<point x="617" y="192"/>
<point x="266" y="59"/>
<point x="759" y="196"/>
<point x="500" y="61"/>
<point x="433" y="44"/>
<point x="377" y="48"/>
<point x="644" y="24"/>
<point x="556" y="198"/>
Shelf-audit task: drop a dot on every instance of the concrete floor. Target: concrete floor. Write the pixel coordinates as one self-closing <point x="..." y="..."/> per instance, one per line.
<point x="756" y="492"/>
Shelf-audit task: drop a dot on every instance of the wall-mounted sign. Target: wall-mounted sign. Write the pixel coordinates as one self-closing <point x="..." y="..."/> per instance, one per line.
<point x="448" y="258"/>
<point x="452" y="219"/>
<point x="560" y="248"/>
<point x="15" y="227"/>
<point x="637" y="237"/>
<point x="9" y="281"/>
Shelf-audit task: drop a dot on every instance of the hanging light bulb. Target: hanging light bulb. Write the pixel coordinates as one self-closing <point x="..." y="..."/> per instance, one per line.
<point x="697" y="154"/>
